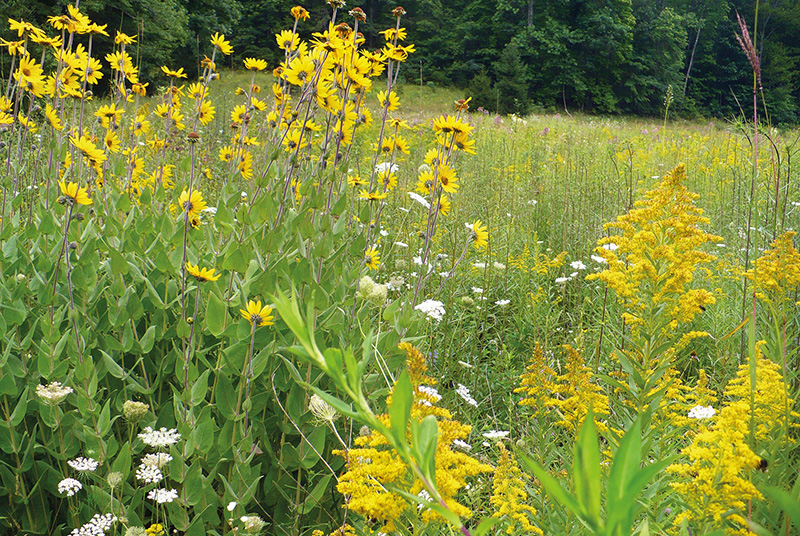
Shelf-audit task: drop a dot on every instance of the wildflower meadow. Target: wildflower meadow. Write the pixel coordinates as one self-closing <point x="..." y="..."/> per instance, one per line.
<point x="313" y="298"/>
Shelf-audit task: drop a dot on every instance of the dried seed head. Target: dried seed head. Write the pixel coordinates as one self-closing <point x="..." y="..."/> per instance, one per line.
<point x="358" y="14"/>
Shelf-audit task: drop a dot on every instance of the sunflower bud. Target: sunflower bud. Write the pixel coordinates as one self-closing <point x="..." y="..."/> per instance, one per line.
<point x="372" y="292"/>
<point x="134" y="411"/>
<point x="114" y="479"/>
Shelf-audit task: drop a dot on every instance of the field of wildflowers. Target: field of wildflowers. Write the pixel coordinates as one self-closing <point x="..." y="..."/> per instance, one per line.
<point x="315" y="301"/>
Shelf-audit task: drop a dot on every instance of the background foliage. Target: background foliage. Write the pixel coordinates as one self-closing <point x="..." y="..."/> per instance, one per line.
<point x="615" y="56"/>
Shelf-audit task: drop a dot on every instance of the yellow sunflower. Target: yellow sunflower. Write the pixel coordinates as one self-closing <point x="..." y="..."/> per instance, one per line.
<point x="174" y="74"/>
<point x="218" y="40"/>
<point x="74" y="192"/>
<point x="372" y="259"/>
<point x="299" y="12"/>
<point x="448" y="179"/>
<point x="254" y="64"/>
<point x="258" y="315"/>
<point x="193" y="203"/>
<point x="300" y="71"/>
<point x="201" y="274"/>
<point x="89" y="150"/>
<point x="479" y="234"/>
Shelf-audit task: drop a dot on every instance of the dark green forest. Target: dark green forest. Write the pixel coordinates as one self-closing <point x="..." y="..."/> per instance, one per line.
<point x="593" y="56"/>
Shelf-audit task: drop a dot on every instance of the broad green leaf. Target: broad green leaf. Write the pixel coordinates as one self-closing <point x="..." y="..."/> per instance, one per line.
<point x="551" y="485"/>
<point x="113" y="368"/>
<point x="118" y="263"/>
<point x="400" y="410"/>
<point x="216" y="315"/>
<point x="586" y="475"/>
<point x="790" y="505"/>
<point x="148" y="339"/>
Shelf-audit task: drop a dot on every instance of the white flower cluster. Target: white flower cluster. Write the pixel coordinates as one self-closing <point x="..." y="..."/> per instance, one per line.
<point x="70" y="486"/>
<point x="425" y="496"/>
<point x="434" y="309"/>
<point x="159" y="459"/>
<point x="162" y="496"/>
<point x="702" y="412"/>
<point x="463" y="392"/>
<point x="97" y="526"/>
<point x="462" y="444"/>
<point x="54" y="393"/>
<point x="387" y="166"/>
<point x="431" y="392"/>
<point x="149" y="474"/>
<point x="495" y="434"/>
<point x="159" y="438"/>
<point x="83" y="465"/>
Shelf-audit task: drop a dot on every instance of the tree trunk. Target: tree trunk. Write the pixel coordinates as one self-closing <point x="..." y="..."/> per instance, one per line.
<point x="691" y="59"/>
<point x="530" y="13"/>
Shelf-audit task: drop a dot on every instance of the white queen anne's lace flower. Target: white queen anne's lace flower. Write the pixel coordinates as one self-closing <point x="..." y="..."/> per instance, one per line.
<point x="431" y="392"/>
<point x="463" y="392"/>
<point x="149" y="474"/>
<point x="84" y="465"/>
<point x="69" y="486"/>
<point x="53" y="393"/>
<point x="462" y="444"/>
<point x="162" y="496"/>
<point x="158" y="460"/>
<point x="97" y="526"/>
<point x="386" y="166"/>
<point x="434" y="309"/>
<point x="495" y="434"/>
<point x="702" y="412"/>
<point x="159" y="438"/>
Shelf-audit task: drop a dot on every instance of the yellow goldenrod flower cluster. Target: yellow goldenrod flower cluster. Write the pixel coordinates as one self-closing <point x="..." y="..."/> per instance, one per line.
<point x="509" y="495"/>
<point x="373" y="467"/>
<point x="714" y="480"/>
<point x="542" y="264"/>
<point x="572" y="393"/>
<point x="679" y="398"/>
<point x="777" y="271"/>
<point x="652" y="263"/>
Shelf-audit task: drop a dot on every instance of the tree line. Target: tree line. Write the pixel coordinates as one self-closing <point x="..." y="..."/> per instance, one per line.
<point x="597" y="56"/>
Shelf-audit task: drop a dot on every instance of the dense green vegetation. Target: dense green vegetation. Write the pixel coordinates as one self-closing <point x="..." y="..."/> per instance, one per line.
<point x="599" y="56"/>
<point x="325" y="300"/>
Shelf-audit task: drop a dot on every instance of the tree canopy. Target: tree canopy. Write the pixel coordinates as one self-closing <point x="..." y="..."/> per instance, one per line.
<point x="605" y="56"/>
